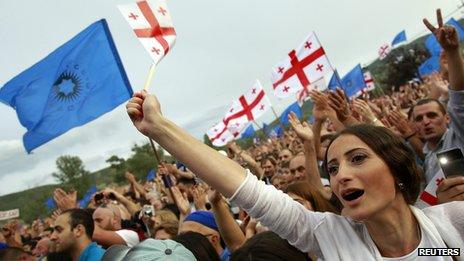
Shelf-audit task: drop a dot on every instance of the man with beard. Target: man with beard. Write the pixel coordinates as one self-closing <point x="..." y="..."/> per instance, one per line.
<point x="72" y="234"/>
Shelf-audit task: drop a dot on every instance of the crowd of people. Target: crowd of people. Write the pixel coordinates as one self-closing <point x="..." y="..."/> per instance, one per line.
<point x="345" y="187"/>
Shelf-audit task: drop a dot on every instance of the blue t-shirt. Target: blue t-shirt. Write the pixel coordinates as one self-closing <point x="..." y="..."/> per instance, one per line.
<point x="92" y="252"/>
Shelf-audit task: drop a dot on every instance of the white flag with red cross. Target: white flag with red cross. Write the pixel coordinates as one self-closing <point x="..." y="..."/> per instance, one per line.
<point x="152" y="24"/>
<point x="302" y="67"/>
<point x="220" y="135"/>
<point x="384" y="50"/>
<point x="429" y="195"/>
<point x="303" y="94"/>
<point x="249" y="106"/>
<point x="369" y="81"/>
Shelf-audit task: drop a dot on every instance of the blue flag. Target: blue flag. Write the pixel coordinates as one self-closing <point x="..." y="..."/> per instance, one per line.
<point x="293" y="107"/>
<point x="87" y="196"/>
<point x="151" y="175"/>
<point x="400" y="37"/>
<point x="249" y="132"/>
<point x="75" y="84"/>
<point x="429" y="66"/>
<point x="265" y="128"/>
<point x="458" y="27"/>
<point x="353" y="81"/>
<point x="50" y="203"/>
<point x="335" y="82"/>
<point x="432" y="44"/>
<point x="276" y="132"/>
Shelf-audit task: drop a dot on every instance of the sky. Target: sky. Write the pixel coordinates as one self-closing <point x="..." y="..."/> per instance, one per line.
<point x="221" y="48"/>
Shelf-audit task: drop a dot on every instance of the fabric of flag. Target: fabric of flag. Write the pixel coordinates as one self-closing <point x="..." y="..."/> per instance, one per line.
<point x="429" y="66"/>
<point x="335" y="82"/>
<point x="219" y="134"/>
<point x="294" y="107"/>
<point x="458" y="26"/>
<point x="50" y="203"/>
<point x="384" y="50"/>
<point x="303" y="66"/>
<point x="429" y="195"/>
<point x="276" y="132"/>
<point x="432" y="45"/>
<point x="369" y="81"/>
<point x="249" y="106"/>
<point x="75" y="84"/>
<point x="353" y="82"/>
<point x="399" y="38"/>
<point x="303" y="94"/>
<point x="249" y="132"/>
<point x="151" y="175"/>
<point x="152" y="24"/>
<point x="87" y="196"/>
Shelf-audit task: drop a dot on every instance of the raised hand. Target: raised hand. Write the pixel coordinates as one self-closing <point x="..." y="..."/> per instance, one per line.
<point x="446" y="35"/>
<point x="339" y="104"/>
<point x="401" y="123"/>
<point x="321" y="109"/>
<point x="144" y="110"/>
<point x="65" y="200"/>
<point x="303" y="130"/>
<point x="364" y="109"/>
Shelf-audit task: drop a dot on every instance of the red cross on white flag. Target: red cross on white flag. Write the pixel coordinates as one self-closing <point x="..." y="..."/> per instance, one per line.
<point x="369" y="84"/>
<point x="303" y="94"/>
<point x="152" y="24"/>
<point x="384" y="50"/>
<point x="369" y="81"/>
<point x="429" y="195"/>
<point x="303" y="66"/>
<point x="219" y="134"/>
<point x="247" y="107"/>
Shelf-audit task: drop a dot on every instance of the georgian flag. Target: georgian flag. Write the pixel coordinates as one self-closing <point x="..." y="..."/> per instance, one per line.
<point x="303" y="66"/>
<point x="429" y="195"/>
<point x="369" y="81"/>
<point x="303" y="94"/>
<point x="384" y="50"/>
<point x="369" y="84"/>
<point x="152" y="24"/>
<point x="219" y="134"/>
<point x="247" y="107"/>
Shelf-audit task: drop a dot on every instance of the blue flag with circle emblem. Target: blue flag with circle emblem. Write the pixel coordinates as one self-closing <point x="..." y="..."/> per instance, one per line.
<point x="353" y="81"/>
<point x="75" y="84"/>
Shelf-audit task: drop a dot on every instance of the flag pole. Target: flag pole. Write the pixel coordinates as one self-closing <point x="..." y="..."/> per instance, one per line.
<point x="277" y="117"/>
<point x="256" y="124"/>
<point x="151" y="72"/>
<point x="149" y="76"/>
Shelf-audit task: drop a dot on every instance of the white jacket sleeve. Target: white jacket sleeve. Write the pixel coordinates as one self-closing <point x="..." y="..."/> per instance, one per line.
<point x="280" y="213"/>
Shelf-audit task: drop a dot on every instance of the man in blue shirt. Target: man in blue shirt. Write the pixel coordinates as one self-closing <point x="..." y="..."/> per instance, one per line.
<point x="72" y="234"/>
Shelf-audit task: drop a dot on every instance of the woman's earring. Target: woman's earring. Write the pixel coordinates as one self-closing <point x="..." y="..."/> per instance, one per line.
<point x="401" y="185"/>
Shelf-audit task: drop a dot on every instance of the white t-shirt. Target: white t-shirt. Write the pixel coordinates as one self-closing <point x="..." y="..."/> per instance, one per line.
<point x="130" y="237"/>
<point x="334" y="237"/>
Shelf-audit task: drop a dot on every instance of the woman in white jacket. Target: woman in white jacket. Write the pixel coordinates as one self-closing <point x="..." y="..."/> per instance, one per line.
<point x="373" y="174"/>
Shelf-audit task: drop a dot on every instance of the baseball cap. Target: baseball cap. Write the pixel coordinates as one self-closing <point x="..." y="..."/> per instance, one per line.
<point x="150" y="249"/>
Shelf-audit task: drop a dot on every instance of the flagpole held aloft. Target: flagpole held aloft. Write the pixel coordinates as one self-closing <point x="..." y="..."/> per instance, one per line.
<point x="151" y="72"/>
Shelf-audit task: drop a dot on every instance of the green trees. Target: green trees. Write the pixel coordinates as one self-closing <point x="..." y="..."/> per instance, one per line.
<point x="72" y="174"/>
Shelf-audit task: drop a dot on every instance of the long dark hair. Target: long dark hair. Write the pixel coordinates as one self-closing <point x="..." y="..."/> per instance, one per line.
<point x="393" y="151"/>
<point x="310" y="193"/>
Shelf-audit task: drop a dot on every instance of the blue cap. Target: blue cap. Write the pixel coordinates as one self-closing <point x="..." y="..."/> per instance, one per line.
<point x="205" y="218"/>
